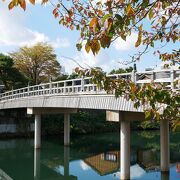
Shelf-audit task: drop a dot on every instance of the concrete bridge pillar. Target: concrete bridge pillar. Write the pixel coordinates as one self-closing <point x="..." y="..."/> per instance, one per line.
<point x="66" y="129"/>
<point x="124" y="118"/>
<point x="37" y="131"/>
<point x="164" y="140"/>
<point x="125" y="150"/>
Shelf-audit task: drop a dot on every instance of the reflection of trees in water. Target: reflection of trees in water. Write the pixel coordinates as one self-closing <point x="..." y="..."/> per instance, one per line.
<point x="148" y="134"/>
<point x="148" y="159"/>
<point x="144" y="150"/>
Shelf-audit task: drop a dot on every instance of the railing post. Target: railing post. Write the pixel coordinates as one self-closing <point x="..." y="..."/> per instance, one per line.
<point x="28" y="89"/>
<point x="72" y="86"/>
<point x="172" y="78"/>
<point x="50" y="87"/>
<point x="82" y="84"/>
<point x="64" y="86"/>
<point x="153" y="75"/>
<point x="133" y="76"/>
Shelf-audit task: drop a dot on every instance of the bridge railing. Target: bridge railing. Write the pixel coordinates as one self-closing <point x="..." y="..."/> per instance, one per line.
<point x="85" y="86"/>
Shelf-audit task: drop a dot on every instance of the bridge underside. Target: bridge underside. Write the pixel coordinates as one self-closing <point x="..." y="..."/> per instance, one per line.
<point x="106" y="102"/>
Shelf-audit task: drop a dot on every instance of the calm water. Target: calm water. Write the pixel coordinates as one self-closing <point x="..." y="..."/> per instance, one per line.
<point x="88" y="158"/>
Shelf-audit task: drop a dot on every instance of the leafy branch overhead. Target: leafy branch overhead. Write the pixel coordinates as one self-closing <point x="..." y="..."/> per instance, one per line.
<point x="159" y="102"/>
<point x="100" y="22"/>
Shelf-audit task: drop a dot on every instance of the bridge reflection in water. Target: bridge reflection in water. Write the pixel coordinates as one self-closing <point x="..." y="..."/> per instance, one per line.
<point x="109" y="162"/>
<point x="106" y="163"/>
<point x="19" y="161"/>
<point x="65" y="174"/>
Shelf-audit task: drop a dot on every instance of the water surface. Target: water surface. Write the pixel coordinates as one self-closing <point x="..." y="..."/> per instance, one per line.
<point x="92" y="157"/>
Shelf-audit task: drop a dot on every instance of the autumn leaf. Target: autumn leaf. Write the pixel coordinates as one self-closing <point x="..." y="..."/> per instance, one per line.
<point x="95" y="46"/>
<point x="110" y="23"/>
<point x="130" y="10"/>
<point x="100" y="13"/>
<point x="93" y="22"/>
<point x="94" y="25"/>
<point x="11" y="5"/>
<point x="23" y="4"/>
<point x="44" y="2"/>
<point x="55" y="11"/>
<point x="105" y="41"/>
<point x="138" y="42"/>
<point x="71" y="27"/>
<point x="32" y="2"/>
<point x="151" y="14"/>
<point x="87" y="47"/>
<point x="56" y="14"/>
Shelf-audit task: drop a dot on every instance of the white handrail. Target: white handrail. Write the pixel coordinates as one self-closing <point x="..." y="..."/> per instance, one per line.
<point x="84" y="85"/>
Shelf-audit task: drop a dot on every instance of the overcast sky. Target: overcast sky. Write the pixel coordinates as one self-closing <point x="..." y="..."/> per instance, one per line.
<point x="37" y="24"/>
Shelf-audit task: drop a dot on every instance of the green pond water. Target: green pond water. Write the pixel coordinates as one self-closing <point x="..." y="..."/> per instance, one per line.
<point x="90" y="157"/>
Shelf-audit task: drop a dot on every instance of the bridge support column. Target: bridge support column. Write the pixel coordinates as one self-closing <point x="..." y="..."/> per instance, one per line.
<point x="164" y="140"/>
<point x="37" y="131"/>
<point x="125" y="150"/>
<point x="66" y="129"/>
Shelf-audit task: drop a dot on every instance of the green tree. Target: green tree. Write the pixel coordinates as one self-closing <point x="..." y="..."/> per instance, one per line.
<point x="38" y="63"/>
<point x="9" y="75"/>
<point x="74" y="75"/>
<point x="121" y="70"/>
<point x="61" y="77"/>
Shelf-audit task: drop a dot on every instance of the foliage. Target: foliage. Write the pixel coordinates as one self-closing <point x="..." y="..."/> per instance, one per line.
<point x="158" y="102"/>
<point x="121" y="70"/>
<point x="148" y="125"/>
<point x="9" y="75"/>
<point x="74" y="75"/>
<point x="61" y="77"/>
<point x="101" y="22"/>
<point x="38" y="63"/>
<point x="176" y="126"/>
<point x="83" y="122"/>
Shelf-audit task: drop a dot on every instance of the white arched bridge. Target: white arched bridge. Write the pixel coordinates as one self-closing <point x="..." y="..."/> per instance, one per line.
<point x="70" y="95"/>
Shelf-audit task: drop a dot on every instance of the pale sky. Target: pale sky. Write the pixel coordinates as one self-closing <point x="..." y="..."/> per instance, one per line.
<point x="37" y="24"/>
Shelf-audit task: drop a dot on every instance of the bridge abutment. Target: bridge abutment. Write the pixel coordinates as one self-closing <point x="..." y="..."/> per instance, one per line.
<point x="164" y="141"/>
